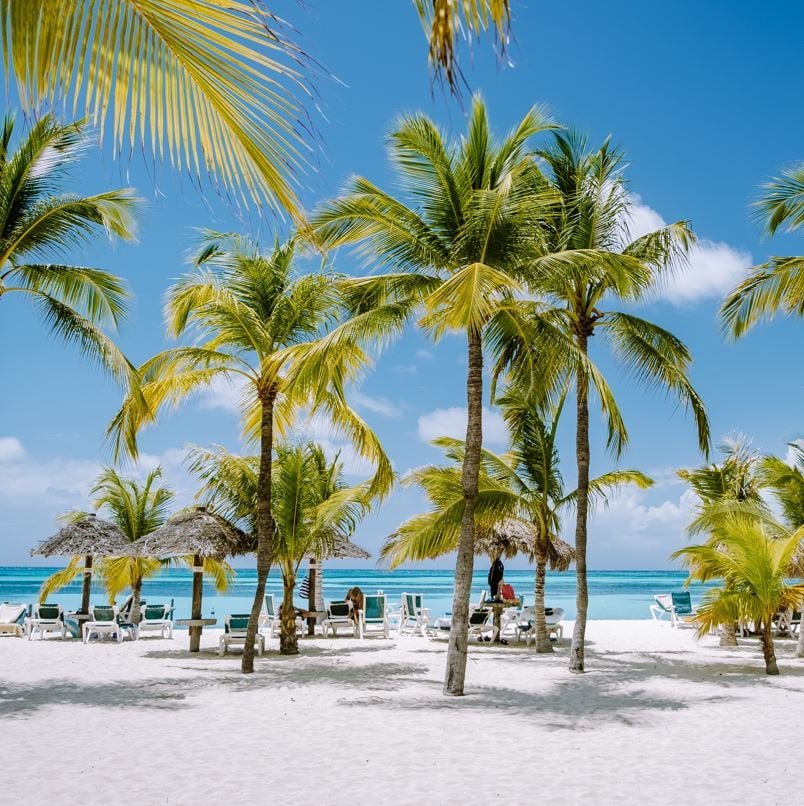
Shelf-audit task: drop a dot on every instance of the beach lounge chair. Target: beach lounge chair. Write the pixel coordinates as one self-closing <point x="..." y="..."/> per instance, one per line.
<point x="374" y="615"/>
<point x="269" y="618"/>
<point x="481" y="625"/>
<point x="46" y="618"/>
<point x="662" y="606"/>
<point x="235" y="628"/>
<point x="11" y="618"/>
<point x="339" y="617"/>
<point x="103" y="622"/>
<point x="413" y="617"/>
<point x="156" y="618"/>
<point x="677" y="606"/>
<point x="553" y="617"/>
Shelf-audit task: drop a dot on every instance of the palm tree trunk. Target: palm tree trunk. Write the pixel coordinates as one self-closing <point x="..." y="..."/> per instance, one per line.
<point x="576" y="663"/>
<point x="800" y="644"/>
<point x="136" y="592"/>
<point x="464" y="563"/>
<point x="288" y="642"/>
<point x="542" y="637"/>
<point x="265" y="524"/>
<point x="195" y="612"/>
<point x="768" y="649"/>
<point x="87" y="584"/>
<point x="728" y="634"/>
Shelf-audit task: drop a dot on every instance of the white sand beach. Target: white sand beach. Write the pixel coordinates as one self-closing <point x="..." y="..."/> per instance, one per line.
<point x="658" y="718"/>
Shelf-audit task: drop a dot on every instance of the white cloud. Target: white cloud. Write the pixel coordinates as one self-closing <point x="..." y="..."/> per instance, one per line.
<point x="451" y="422"/>
<point x="225" y="394"/>
<point x="11" y="449"/>
<point x="376" y="405"/>
<point x="713" y="268"/>
<point x="422" y="353"/>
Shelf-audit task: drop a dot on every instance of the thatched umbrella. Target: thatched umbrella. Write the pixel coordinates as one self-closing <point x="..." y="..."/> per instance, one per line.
<point x="341" y="549"/>
<point x="511" y="537"/>
<point x="89" y="536"/>
<point x="198" y="532"/>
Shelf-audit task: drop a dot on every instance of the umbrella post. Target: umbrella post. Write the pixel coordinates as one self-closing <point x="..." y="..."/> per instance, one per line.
<point x="198" y="587"/>
<point x="312" y="570"/>
<point x="85" y="590"/>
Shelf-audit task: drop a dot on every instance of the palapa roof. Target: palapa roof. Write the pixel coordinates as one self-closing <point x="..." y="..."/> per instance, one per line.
<point x="511" y="537"/>
<point x="343" y="549"/>
<point x="88" y="535"/>
<point x="193" y="531"/>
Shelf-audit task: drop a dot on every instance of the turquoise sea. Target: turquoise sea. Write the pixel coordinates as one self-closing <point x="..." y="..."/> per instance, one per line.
<point x="613" y="594"/>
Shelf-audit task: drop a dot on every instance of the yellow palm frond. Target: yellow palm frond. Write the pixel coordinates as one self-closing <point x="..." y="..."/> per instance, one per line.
<point x="209" y="85"/>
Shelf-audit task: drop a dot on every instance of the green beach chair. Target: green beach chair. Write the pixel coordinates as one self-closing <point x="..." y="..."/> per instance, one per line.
<point x="46" y="618"/>
<point x="157" y="618"/>
<point x="374" y="615"/>
<point x="103" y="622"/>
<point x="235" y="628"/>
<point x="414" y="617"/>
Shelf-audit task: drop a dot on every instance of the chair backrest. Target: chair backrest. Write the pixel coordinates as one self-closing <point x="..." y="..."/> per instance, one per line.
<point x="236" y="623"/>
<point x="554" y="615"/>
<point x="339" y="609"/>
<point x="155" y="612"/>
<point x="374" y="607"/>
<point x="270" y="607"/>
<point x="48" y="612"/>
<point x="103" y="613"/>
<point x="412" y="603"/>
<point x="682" y="603"/>
<point x="479" y="616"/>
<point x="481" y="599"/>
<point x="527" y="615"/>
<point x="11" y="613"/>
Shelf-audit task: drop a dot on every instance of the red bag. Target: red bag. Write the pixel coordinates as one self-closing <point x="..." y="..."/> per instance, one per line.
<point x="507" y="593"/>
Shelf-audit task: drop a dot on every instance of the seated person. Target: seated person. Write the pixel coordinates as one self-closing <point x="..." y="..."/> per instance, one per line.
<point x="355" y="597"/>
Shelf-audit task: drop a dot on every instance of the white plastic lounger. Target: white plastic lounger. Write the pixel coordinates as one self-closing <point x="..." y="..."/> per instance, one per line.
<point x="676" y="605"/>
<point x="481" y="625"/>
<point x="235" y="628"/>
<point x="269" y="618"/>
<point x="553" y="616"/>
<point x="157" y="618"/>
<point x="103" y="622"/>
<point x="46" y="618"/>
<point x="339" y="617"/>
<point x="11" y="618"/>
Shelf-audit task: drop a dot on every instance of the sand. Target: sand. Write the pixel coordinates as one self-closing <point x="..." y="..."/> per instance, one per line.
<point x="658" y="718"/>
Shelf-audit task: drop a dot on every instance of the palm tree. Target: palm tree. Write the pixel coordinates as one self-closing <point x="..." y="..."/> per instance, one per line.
<point x="522" y="487"/>
<point x="776" y="286"/>
<point x="251" y="314"/>
<point x="752" y="556"/>
<point x="216" y="87"/>
<point x="587" y="263"/>
<point x="786" y="483"/>
<point x="313" y="509"/>
<point x="734" y="481"/>
<point x="40" y="221"/>
<point x="137" y="510"/>
<point x="455" y="248"/>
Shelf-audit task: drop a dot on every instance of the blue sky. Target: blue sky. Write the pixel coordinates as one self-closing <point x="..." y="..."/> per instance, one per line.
<point x="703" y="97"/>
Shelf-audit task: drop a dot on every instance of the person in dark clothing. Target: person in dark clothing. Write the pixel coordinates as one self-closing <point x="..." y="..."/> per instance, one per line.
<point x="495" y="576"/>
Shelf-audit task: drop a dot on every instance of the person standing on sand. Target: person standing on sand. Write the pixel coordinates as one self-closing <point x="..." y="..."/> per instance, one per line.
<point x="495" y="576"/>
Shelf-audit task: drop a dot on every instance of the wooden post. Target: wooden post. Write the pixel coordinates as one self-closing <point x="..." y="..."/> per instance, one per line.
<point x="311" y="579"/>
<point x="198" y="589"/>
<point x="87" y="584"/>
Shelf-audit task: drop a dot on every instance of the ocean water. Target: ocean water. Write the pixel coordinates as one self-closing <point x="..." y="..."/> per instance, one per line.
<point x="612" y="594"/>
